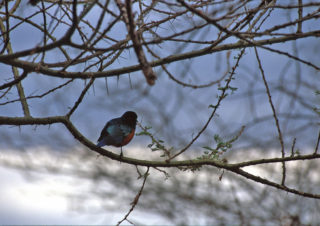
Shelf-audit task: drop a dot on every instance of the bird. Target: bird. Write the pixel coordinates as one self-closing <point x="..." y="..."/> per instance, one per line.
<point x="119" y="132"/>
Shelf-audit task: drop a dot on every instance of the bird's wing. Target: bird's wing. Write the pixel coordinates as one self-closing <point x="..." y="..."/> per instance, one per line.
<point x="126" y="130"/>
<point x="118" y="132"/>
<point x="114" y="132"/>
<point x="104" y="132"/>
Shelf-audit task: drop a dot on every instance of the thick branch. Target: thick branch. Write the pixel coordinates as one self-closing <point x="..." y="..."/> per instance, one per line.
<point x="136" y="40"/>
<point x="8" y="59"/>
<point x="187" y="163"/>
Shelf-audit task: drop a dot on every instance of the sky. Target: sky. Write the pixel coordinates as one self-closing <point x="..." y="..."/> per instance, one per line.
<point x="175" y="114"/>
<point x="40" y="197"/>
<point x="45" y="192"/>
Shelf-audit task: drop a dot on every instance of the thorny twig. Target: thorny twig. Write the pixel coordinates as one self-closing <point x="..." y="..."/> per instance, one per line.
<point x="136" y="199"/>
<point x="274" y="115"/>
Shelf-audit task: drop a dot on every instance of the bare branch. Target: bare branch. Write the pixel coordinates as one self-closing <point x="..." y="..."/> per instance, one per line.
<point x="317" y="145"/>
<point x="215" y="107"/>
<point x="128" y="17"/>
<point x="274" y="115"/>
<point x="136" y="199"/>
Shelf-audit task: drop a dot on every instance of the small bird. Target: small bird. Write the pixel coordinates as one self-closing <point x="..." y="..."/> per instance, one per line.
<point x="119" y="131"/>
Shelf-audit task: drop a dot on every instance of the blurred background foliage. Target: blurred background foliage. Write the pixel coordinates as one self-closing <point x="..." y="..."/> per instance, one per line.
<point x="175" y="111"/>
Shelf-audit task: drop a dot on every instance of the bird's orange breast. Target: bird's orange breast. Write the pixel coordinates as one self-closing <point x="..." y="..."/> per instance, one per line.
<point x="128" y="138"/>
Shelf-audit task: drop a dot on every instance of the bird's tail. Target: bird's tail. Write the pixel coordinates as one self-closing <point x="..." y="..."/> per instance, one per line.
<point x="101" y="143"/>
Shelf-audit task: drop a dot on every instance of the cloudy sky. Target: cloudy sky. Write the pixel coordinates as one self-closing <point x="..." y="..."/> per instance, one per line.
<point x="37" y="162"/>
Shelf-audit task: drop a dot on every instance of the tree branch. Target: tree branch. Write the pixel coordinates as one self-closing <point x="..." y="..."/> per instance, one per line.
<point x="9" y="59"/>
<point x="235" y="168"/>
<point x="128" y="17"/>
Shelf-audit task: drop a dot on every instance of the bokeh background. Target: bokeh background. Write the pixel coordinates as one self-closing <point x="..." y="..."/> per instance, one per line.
<point x="48" y="177"/>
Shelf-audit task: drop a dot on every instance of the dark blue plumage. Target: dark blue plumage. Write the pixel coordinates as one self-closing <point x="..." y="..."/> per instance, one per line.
<point x="118" y="131"/>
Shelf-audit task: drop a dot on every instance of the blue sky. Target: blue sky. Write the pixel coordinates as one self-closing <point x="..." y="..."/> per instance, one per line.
<point x="176" y="113"/>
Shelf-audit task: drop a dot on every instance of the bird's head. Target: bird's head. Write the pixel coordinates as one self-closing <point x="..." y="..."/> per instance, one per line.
<point x="130" y="117"/>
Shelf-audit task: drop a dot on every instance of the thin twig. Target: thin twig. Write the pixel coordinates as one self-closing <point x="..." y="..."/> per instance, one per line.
<point x="15" y="81"/>
<point x="84" y="91"/>
<point x="317" y="145"/>
<point x="136" y="199"/>
<point x="299" y="28"/>
<point x="215" y="107"/>
<point x="41" y="95"/>
<point x="154" y="140"/>
<point x="274" y="115"/>
<point x="292" y="148"/>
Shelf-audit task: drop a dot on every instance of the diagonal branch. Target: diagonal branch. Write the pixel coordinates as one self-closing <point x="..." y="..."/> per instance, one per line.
<point x="274" y="115"/>
<point x="15" y="81"/>
<point x="136" y="40"/>
<point x="15" y="71"/>
<point x="235" y="168"/>
<point x="317" y="145"/>
<point x="136" y="199"/>
<point x="215" y="107"/>
<point x="84" y="91"/>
